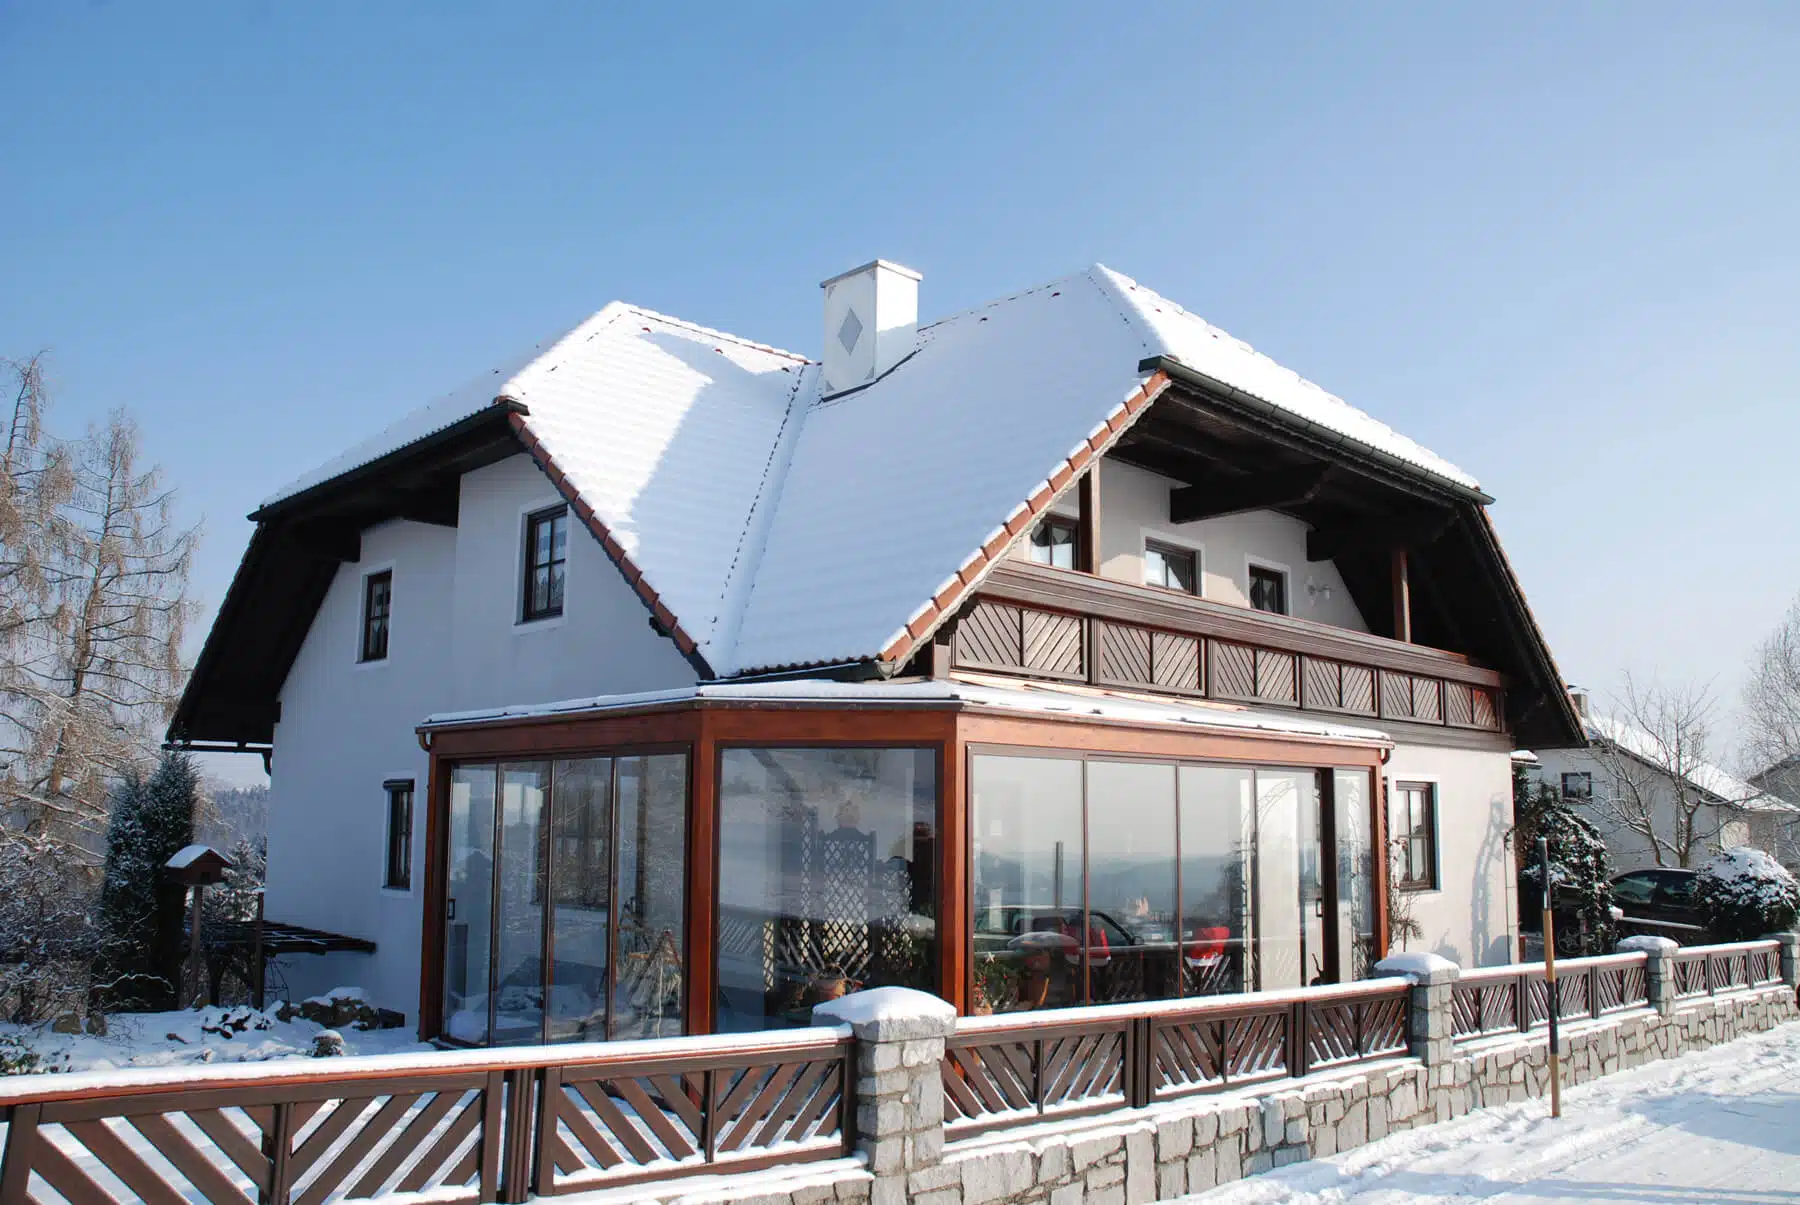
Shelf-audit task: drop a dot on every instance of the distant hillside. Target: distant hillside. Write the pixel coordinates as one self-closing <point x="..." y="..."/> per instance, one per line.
<point x="237" y="814"/>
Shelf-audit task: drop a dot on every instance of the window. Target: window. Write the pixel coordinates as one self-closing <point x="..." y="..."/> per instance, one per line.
<point x="1578" y="787"/>
<point x="1415" y="831"/>
<point x="399" y="835"/>
<point x="378" y="603"/>
<point x="546" y="550"/>
<point x="1268" y="590"/>
<point x="1170" y="567"/>
<point x="827" y="881"/>
<point x="1634" y="889"/>
<point x="1054" y="540"/>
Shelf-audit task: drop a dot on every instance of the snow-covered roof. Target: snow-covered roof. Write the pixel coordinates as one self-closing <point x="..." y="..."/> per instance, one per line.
<point x="187" y="855"/>
<point x="1709" y="778"/>
<point x="781" y="530"/>
<point x="1023" y="698"/>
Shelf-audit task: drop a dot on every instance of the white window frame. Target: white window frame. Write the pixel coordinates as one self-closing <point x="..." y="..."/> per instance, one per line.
<point x="1163" y="536"/>
<point x="1437" y="828"/>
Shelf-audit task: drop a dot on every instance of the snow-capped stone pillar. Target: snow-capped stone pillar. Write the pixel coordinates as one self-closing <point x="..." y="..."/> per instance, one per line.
<point x="1790" y="957"/>
<point x="1659" y="969"/>
<point x="899" y="1090"/>
<point x="1428" y="1027"/>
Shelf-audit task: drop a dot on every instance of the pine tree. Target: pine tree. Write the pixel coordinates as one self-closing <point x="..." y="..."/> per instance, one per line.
<point x="1579" y="869"/>
<point x="152" y="819"/>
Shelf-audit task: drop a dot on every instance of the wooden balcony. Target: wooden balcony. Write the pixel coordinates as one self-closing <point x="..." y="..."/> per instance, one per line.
<point x="1038" y="622"/>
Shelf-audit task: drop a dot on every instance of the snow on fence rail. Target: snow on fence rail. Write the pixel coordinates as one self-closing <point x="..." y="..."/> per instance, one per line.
<point x="460" y="1128"/>
<point x="1516" y="999"/>
<point x="1014" y="1070"/>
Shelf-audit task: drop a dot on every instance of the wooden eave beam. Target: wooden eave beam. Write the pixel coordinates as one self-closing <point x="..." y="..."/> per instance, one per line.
<point x="1377" y="533"/>
<point x="1257" y="491"/>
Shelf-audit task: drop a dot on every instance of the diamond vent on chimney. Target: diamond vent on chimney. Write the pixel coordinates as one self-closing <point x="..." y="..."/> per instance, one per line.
<point x="871" y="323"/>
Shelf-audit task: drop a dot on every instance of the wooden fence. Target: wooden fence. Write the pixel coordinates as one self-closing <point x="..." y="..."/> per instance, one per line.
<point x="461" y="1128"/>
<point x="1014" y="1070"/>
<point x="1709" y="970"/>
<point x="1516" y="999"/>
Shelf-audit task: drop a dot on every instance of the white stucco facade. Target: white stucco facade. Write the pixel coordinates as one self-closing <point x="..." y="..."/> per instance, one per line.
<point x="1471" y="916"/>
<point x="1134" y="507"/>
<point x="455" y="641"/>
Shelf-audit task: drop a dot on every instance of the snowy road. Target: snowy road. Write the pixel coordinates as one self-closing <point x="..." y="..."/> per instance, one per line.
<point x="1721" y="1126"/>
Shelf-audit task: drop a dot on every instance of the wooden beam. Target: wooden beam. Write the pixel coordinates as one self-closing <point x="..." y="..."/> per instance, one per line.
<point x="329" y="539"/>
<point x="1377" y="533"/>
<point x="1256" y="491"/>
<point x="1088" y="494"/>
<point x="1402" y="597"/>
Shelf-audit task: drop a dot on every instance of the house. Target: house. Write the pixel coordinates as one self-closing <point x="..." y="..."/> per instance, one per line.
<point x="1655" y="800"/>
<point x="1062" y="650"/>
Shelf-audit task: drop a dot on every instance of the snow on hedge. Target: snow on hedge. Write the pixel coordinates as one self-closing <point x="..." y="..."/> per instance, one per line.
<point x="1745" y="893"/>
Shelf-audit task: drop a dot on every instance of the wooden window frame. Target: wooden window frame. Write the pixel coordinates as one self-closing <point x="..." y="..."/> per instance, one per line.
<point x="1057" y="522"/>
<point x="365" y="650"/>
<point x="1166" y="550"/>
<point x="399" y="843"/>
<point x="1428" y="832"/>
<point x="535" y="521"/>
<point x="1281" y="576"/>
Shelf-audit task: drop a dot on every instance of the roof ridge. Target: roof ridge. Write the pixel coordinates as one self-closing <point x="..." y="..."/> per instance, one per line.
<point x="712" y="332"/>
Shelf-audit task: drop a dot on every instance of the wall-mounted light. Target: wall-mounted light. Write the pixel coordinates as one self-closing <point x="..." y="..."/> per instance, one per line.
<point x="1318" y="592"/>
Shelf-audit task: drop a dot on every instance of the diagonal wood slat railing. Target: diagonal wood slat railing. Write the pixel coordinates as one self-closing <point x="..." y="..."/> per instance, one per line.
<point x="1005" y="1071"/>
<point x="464" y="1127"/>
<point x="1709" y="970"/>
<point x="1516" y="999"/>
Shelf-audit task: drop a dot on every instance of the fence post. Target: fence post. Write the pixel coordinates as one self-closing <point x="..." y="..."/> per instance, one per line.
<point x="1790" y="957"/>
<point x="1428" y="1026"/>
<point x="1659" y="969"/>
<point x="899" y="1086"/>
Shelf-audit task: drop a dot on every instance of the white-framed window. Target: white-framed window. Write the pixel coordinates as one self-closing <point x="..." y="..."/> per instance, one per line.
<point x="546" y="563"/>
<point x="1578" y="786"/>
<point x="377" y="614"/>
<point x="1055" y="541"/>
<point x="1415" y="832"/>
<point x="1171" y="566"/>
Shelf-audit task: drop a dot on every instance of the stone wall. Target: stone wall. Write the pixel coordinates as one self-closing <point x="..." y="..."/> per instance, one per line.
<point x="1169" y="1150"/>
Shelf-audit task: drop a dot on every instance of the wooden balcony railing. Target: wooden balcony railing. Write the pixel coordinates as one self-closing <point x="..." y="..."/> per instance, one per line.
<point x="1516" y="999"/>
<point x="1075" y="627"/>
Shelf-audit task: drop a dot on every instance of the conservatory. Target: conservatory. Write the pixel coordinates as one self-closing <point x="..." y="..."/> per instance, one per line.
<point x="723" y="858"/>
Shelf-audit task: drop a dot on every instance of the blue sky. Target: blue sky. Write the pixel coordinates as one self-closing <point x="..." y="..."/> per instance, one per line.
<point x="1556" y="244"/>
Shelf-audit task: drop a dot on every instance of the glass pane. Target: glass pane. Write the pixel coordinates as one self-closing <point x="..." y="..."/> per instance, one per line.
<point x="1156" y="567"/>
<point x="580" y="894"/>
<point x="825" y="873"/>
<point x="1027" y="859"/>
<point x="1218" y="841"/>
<point x="647" y="976"/>
<point x="519" y="954"/>
<point x="468" y="934"/>
<point x="556" y="587"/>
<point x="1289" y="901"/>
<point x="1131" y="881"/>
<point x="1355" y="875"/>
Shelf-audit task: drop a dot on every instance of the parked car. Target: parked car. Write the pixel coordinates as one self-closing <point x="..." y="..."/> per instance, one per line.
<point x="1659" y="896"/>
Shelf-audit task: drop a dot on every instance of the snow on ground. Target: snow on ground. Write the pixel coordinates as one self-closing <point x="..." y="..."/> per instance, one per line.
<point x="199" y="1036"/>
<point x="1719" y="1126"/>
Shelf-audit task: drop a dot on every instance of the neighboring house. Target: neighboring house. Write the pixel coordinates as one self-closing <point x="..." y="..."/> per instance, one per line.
<point x="1062" y="650"/>
<point x="1626" y="771"/>
<point x="1781" y="779"/>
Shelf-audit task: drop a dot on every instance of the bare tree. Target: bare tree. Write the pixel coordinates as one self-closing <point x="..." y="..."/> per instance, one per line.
<point x="1772" y="698"/>
<point x="1660" y="781"/>
<point x="93" y="604"/>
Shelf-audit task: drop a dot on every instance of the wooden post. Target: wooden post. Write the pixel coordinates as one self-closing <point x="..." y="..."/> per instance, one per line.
<point x="1402" y="598"/>
<point x="196" y="967"/>
<point x="1088" y="494"/>
<point x="1554" y="1002"/>
<point x="702" y="879"/>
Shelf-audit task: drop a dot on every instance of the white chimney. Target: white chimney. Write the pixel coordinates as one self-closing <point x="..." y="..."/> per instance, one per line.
<point x="871" y="323"/>
<point x="1578" y="695"/>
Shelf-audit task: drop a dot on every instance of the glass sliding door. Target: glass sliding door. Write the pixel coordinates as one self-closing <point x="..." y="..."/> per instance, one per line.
<point x="1355" y="860"/>
<point x="1218" y="874"/>
<point x="1131" y="881"/>
<point x="1028" y="875"/>
<point x="566" y="889"/>
<point x="469" y="906"/>
<point x="1289" y="893"/>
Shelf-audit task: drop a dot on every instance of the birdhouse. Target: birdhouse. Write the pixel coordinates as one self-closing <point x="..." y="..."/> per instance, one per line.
<point x="197" y="866"/>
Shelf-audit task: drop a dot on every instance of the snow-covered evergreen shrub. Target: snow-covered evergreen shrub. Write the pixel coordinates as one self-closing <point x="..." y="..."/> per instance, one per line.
<point x="1744" y="893"/>
<point x="1580" y="872"/>
<point x="152" y="819"/>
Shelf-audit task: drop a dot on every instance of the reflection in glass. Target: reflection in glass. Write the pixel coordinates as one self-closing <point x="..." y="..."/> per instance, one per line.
<point x="1218" y="835"/>
<point x="1290" y="898"/>
<point x="468" y="931"/>
<point x="826" y="878"/>
<point x="1355" y="875"/>
<point x="581" y="894"/>
<point x="1131" y="881"/>
<point x="519" y="946"/>
<point x="651" y="887"/>
<point x="1027" y="859"/>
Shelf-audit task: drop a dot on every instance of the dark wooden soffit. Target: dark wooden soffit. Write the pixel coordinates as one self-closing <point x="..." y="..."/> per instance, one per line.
<point x="233" y="696"/>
